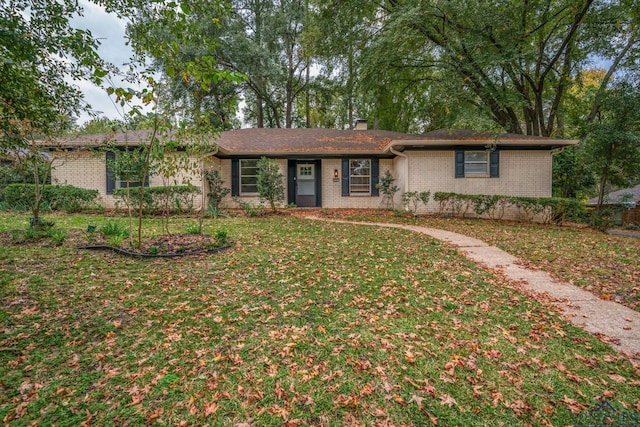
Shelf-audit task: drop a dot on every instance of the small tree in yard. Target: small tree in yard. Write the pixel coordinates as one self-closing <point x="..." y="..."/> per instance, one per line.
<point x="28" y="158"/>
<point x="128" y="166"/>
<point x="388" y="188"/>
<point x="216" y="190"/>
<point x="270" y="182"/>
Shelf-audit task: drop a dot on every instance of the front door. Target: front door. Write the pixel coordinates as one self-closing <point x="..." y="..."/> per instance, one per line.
<point x="306" y="185"/>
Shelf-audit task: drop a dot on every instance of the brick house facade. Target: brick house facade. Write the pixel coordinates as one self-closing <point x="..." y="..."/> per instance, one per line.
<point x="339" y="168"/>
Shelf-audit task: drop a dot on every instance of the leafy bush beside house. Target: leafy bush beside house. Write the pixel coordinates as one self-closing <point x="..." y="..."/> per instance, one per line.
<point x="66" y="198"/>
<point x="544" y="209"/>
<point x="176" y="198"/>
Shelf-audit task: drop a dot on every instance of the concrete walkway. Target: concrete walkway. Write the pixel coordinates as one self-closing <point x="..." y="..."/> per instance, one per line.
<point x="614" y="323"/>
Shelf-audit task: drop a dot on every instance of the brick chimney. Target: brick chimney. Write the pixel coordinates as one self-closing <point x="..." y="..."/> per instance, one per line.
<point x="361" y="124"/>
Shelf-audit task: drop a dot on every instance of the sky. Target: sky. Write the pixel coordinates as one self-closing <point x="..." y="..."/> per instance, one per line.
<point x="110" y="31"/>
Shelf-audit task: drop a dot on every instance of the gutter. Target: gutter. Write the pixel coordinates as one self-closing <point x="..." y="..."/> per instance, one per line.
<point x="406" y="163"/>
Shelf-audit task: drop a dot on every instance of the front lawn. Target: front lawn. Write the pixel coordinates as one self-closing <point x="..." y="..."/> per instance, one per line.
<point x="301" y="323"/>
<point x="604" y="264"/>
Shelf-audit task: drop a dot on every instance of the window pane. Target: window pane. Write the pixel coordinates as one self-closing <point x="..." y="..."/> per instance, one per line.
<point x="476" y="163"/>
<point x="475" y="156"/>
<point x="248" y="176"/>
<point x="360" y="176"/>
<point x="475" y="169"/>
<point x="306" y="188"/>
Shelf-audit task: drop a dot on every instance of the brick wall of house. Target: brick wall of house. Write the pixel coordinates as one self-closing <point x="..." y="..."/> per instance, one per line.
<point x="332" y="190"/>
<point x="254" y="200"/>
<point x="522" y="173"/>
<point x="84" y="169"/>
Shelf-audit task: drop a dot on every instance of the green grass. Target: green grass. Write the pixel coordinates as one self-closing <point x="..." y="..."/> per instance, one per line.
<point x="303" y="322"/>
<point x="604" y="264"/>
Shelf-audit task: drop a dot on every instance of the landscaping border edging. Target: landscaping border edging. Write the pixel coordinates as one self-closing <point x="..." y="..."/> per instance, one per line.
<point x="143" y="255"/>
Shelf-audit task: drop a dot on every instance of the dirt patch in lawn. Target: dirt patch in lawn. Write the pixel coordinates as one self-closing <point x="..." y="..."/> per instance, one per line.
<point x="175" y="244"/>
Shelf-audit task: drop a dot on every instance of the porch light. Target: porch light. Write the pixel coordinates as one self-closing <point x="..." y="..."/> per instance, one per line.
<point x="335" y="173"/>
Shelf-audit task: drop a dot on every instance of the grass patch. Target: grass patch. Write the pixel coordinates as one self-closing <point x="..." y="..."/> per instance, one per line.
<point x="604" y="264"/>
<point x="302" y="323"/>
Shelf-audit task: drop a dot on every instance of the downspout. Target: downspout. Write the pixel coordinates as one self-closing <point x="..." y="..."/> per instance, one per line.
<point x="406" y="164"/>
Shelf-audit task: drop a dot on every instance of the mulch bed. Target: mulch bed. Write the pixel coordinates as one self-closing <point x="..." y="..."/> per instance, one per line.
<point x="160" y="246"/>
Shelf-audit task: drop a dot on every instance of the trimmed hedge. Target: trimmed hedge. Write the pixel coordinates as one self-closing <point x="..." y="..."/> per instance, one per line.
<point x="66" y="198"/>
<point x="549" y="209"/>
<point x="175" y="198"/>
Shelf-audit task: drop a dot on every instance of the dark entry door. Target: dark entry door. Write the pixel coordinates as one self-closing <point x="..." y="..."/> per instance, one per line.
<point x="306" y="185"/>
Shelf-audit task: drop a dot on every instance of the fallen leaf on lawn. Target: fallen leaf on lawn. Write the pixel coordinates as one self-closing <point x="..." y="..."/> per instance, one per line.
<point x="618" y="378"/>
<point x="445" y="399"/>
<point x="573" y="405"/>
<point x="210" y="408"/>
<point x="417" y="399"/>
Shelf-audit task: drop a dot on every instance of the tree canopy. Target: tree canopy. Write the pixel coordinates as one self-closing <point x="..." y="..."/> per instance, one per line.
<point x="41" y="54"/>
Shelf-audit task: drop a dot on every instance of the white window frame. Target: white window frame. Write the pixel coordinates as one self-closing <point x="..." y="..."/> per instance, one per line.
<point x="359" y="176"/>
<point x="243" y="176"/>
<point x="487" y="162"/>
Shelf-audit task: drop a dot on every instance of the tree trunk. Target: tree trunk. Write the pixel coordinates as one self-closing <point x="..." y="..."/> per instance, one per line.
<point x="259" y="111"/>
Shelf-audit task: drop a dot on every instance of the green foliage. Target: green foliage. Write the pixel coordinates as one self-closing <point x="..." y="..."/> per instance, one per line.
<point x="12" y="173"/>
<point x="65" y="198"/>
<point x="192" y="228"/>
<point x="612" y="145"/>
<point x="57" y="235"/>
<point x="217" y="191"/>
<point x="484" y="65"/>
<point x="42" y="54"/>
<point x="116" y="240"/>
<point x="222" y="236"/>
<point x="573" y="174"/>
<point x="114" y="228"/>
<point x="176" y="198"/>
<point x="410" y="200"/>
<point x="549" y="209"/>
<point x="388" y="188"/>
<point x="249" y="209"/>
<point x="270" y="181"/>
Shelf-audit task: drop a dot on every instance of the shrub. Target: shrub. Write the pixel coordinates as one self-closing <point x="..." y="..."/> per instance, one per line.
<point x="388" y="188"/>
<point x="410" y="200"/>
<point x="270" y="182"/>
<point x="178" y="198"/>
<point x="216" y="191"/>
<point x="192" y="228"/>
<point x="67" y="198"/>
<point x="549" y="209"/>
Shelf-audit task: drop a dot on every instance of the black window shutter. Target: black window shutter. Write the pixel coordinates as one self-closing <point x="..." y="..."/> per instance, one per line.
<point x="235" y="177"/>
<point x="494" y="164"/>
<point x="291" y="181"/>
<point x="459" y="163"/>
<point x="111" y="179"/>
<point x="375" y="176"/>
<point x="345" y="177"/>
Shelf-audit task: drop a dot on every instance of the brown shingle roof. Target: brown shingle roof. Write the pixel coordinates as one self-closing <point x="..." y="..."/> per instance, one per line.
<point x="316" y="141"/>
<point x="305" y="141"/>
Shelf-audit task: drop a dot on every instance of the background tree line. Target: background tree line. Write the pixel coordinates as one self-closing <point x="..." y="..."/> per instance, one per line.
<point x="555" y="68"/>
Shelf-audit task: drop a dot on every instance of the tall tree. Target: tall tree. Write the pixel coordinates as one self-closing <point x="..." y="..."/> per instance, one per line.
<point x="266" y="44"/>
<point x="612" y="145"/>
<point x="512" y="61"/>
<point x="41" y="54"/>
